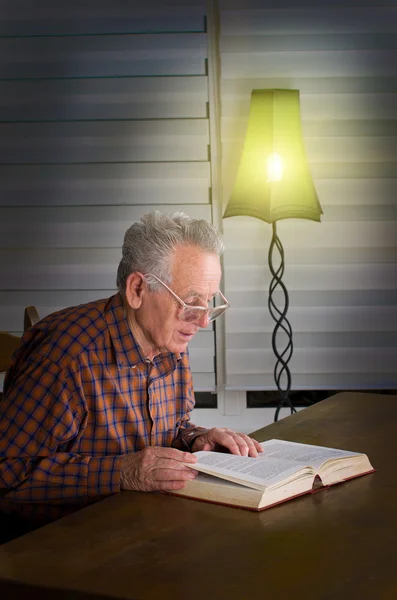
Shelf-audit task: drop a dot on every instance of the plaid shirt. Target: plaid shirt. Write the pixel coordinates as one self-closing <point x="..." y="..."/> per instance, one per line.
<point x="78" y="396"/>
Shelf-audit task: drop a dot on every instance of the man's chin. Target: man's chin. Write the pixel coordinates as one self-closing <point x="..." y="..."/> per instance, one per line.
<point x="177" y="347"/>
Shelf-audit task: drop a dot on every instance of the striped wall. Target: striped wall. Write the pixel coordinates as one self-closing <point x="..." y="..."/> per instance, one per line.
<point x="103" y="117"/>
<point x="342" y="273"/>
<point x="104" y="114"/>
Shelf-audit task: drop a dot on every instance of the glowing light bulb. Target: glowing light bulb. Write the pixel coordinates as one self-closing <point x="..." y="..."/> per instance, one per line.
<point x="274" y="167"/>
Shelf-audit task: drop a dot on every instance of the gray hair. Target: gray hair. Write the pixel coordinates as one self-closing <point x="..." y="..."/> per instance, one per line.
<point x="149" y="244"/>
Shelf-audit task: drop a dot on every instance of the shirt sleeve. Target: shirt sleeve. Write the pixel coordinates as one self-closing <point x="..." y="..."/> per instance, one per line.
<point x="40" y="418"/>
<point x="186" y="436"/>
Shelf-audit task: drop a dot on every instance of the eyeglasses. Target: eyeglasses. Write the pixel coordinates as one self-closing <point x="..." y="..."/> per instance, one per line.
<point x="194" y="313"/>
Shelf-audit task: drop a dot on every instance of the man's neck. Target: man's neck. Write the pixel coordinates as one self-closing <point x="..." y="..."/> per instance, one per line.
<point x="149" y="351"/>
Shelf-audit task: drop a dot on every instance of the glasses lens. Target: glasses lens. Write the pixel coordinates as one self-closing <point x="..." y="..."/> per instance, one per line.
<point x="191" y="314"/>
<point x="194" y="313"/>
<point x="216" y="312"/>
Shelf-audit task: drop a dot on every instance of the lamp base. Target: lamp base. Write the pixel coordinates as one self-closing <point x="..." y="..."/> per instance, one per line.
<point x="282" y="374"/>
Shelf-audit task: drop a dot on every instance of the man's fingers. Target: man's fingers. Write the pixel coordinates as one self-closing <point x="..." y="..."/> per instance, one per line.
<point x="243" y="448"/>
<point x="226" y="438"/>
<point x="169" y="486"/>
<point x="173" y="454"/>
<point x="173" y="474"/>
<point x="237" y="443"/>
<point x="252" y="446"/>
<point x="171" y="465"/>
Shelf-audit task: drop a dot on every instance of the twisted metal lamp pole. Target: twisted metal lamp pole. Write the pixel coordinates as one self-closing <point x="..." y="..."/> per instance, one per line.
<point x="274" y="182"/>
<point x="279" y="315"/>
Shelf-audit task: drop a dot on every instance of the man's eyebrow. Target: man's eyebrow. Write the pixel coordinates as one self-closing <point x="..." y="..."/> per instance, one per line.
<point x="197" y="296"/>
<point x="193" y="294"/>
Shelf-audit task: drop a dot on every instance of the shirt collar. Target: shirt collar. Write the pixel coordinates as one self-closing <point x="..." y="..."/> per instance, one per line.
<point x="128" y="351"/>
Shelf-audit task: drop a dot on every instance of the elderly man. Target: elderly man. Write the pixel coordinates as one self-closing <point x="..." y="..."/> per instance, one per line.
<point x="98" y="396"/>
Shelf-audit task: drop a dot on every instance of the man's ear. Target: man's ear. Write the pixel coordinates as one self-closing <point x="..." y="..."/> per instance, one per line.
<point x="134" y="290"/>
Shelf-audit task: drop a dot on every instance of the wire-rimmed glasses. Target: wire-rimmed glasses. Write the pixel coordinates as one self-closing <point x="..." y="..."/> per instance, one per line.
<point x="194" y="313"/>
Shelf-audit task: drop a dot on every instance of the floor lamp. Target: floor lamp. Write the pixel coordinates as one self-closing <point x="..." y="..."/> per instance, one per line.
<point x="274" y="182"/>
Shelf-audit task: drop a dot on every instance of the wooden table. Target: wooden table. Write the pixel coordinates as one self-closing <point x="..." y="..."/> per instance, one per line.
<point x="340" y="543"/>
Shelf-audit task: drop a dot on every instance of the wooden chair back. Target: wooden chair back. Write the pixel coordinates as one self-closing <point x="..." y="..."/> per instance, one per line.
<point x="8" y="344"/>
<point x="30" y="318"/>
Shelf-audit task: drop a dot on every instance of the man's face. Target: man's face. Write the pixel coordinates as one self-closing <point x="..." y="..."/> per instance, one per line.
<point x="195" y="279"/>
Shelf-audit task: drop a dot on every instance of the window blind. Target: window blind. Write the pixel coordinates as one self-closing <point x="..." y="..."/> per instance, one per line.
<point x="342" y="273"/>
<point x="104" y="118"/>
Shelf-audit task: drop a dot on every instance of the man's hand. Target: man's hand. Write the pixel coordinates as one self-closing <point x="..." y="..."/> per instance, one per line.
<point x="224" y="438"/>
<point x="156" y="468"/>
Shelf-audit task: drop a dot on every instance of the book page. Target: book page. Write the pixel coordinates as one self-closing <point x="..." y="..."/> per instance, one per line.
<point x="281" y="461"/>
<point x="258" y="473"/>
<point x="302" y="453"/>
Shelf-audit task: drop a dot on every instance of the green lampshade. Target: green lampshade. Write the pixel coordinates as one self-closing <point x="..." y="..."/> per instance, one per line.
<point x="273" y="180"/>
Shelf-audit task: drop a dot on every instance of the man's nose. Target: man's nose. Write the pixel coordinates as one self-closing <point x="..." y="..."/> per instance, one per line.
<point x="204" y="320"/>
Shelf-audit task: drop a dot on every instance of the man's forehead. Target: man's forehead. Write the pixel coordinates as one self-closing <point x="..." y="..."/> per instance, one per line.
<point x="200" y="283"/>
<point x="194" y="265"/>
<point x="196" y="286"/>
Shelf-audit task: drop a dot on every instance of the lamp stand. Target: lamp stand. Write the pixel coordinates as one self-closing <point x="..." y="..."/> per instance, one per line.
<point x="282" y="373"/>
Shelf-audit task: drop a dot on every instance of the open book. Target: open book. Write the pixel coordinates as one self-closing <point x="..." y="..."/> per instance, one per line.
<point x="284" y="470"/>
